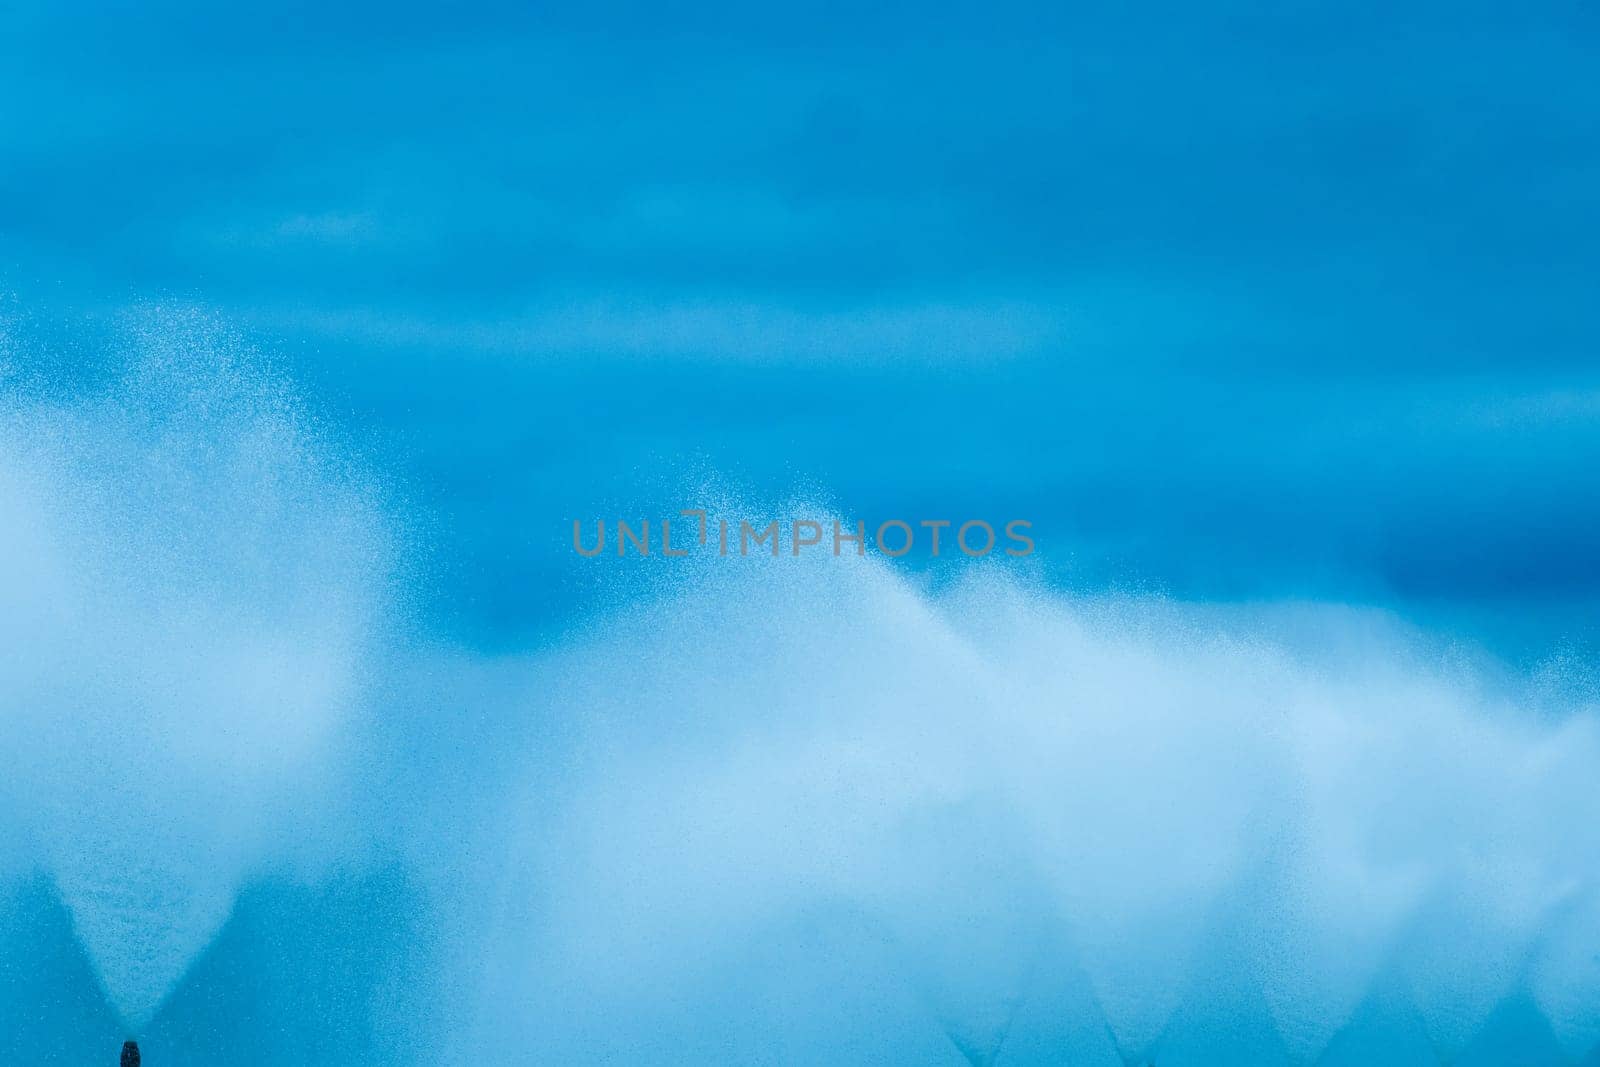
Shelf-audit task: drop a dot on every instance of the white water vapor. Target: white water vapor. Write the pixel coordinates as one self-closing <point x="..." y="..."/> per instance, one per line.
<point x="764" y="811"/>
<point x="1041" y="826"/>
<point x="191" y="588"/>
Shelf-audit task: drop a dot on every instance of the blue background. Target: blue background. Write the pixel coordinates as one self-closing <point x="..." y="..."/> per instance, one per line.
<point x="1237" y="301"/>
<point x="1234" y="302"/>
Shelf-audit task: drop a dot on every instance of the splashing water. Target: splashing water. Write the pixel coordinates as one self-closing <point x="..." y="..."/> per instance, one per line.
<point x="768" y="811"/>
<point x="1203" y="841"/>
<point x="190" y="591"/>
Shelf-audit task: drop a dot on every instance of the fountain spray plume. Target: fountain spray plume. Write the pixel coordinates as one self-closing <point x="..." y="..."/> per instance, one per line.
<point x="1015" y="826"/>
<point x="194" y="585"/>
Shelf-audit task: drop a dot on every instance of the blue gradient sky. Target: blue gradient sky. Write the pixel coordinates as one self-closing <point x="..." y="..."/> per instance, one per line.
<point x="1235" y="302"/>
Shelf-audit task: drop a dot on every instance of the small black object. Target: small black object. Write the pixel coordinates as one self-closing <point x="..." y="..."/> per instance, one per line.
<point x="130" y="1054"/>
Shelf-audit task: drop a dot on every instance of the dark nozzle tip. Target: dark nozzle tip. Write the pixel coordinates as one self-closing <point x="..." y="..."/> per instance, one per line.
<point x="130" y="1054"/>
